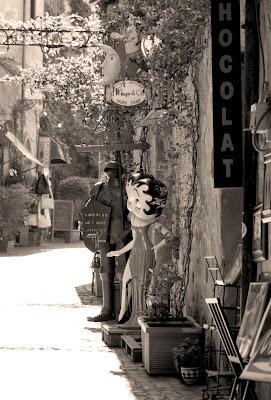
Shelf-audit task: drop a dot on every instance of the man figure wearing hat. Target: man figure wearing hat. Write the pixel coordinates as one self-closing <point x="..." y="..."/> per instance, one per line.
<point x="110" y="193"/>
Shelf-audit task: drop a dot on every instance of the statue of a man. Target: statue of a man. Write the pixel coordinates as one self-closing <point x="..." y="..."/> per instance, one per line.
<point x="110" y="193"/>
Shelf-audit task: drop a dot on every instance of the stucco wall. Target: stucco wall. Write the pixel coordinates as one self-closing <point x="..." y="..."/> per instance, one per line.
<point x="218" y="214"/>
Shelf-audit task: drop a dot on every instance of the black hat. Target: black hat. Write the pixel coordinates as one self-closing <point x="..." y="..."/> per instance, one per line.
<point x="113" y="164"/>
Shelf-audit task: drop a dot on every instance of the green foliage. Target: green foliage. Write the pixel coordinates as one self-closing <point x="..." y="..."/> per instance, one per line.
<point x="158" y="312"/>
<point x="77" y="189"/>
<point x="54" y="10"/>
<point x="158" y="294"/>
<point x="66" y="128"/>
<point x="14" y="202"/>
<point x="189" y="353"/>
<point x="74" y="188"/>
<point x="79" y="7"/>
<point x="178" y="24"/>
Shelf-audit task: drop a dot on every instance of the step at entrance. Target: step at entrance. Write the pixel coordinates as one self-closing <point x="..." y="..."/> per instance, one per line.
<point x="131" y="345"/>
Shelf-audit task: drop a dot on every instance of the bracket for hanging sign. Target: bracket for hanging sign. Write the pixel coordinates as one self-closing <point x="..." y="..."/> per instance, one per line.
<point x="112" y="147"/>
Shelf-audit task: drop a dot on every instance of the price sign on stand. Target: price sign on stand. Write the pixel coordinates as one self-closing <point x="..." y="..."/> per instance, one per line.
<point x="95" y="224"/>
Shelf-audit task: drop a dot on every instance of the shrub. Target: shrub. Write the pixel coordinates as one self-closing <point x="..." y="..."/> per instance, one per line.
<point x="74" y="188"/>
<point x="14" y="201"/>
<point x="77" y="189"/>
<point x="158" y="293"/>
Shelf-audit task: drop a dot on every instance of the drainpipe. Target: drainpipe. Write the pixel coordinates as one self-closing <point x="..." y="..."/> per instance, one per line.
<point x="250" y="96"/>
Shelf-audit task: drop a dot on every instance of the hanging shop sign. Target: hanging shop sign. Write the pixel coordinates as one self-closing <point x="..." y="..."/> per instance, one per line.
<point x="128" y="93"/>
<point x="227" y="108"/>
<point x="44" y="150"/>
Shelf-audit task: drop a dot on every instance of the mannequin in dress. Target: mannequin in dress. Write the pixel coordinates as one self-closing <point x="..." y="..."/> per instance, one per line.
<point x="146" y="199"/>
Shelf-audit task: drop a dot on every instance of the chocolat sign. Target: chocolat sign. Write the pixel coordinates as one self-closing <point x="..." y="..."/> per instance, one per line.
<point x="128" y="93"/>
<point x="227" y="108"/>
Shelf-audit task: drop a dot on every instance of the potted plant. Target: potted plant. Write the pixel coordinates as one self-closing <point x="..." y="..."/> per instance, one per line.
<point x="188" y="358"/>
<point x="160" y="330"/>
<point x="14" y="202"/>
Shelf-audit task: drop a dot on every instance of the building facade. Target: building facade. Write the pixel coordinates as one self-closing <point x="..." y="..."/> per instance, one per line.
<point x="18" y="104"/>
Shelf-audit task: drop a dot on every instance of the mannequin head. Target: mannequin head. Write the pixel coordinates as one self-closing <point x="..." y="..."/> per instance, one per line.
<point x="147" y="196"/>
<point x="112" y="169"/>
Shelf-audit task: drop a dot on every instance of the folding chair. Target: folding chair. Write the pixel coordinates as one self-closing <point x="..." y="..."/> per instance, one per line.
<point x="231" y="349"/>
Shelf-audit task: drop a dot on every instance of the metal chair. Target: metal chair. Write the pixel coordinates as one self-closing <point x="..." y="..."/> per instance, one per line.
<point x="231" y="349"/>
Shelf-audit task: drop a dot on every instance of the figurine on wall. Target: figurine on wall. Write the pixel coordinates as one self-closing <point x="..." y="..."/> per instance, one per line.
<point x="110" y="193"/>
<point x="147" y="197"/>
<point x="131" y="41"/>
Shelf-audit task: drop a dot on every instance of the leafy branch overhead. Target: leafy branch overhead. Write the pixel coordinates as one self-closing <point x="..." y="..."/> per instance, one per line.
<point x="179" y="26"/>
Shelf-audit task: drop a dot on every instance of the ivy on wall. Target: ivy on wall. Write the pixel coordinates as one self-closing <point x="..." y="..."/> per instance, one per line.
<point x="181" y="30"/>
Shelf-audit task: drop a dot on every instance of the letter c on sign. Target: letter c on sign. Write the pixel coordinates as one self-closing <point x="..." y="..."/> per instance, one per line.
<point x="225" y="63"/>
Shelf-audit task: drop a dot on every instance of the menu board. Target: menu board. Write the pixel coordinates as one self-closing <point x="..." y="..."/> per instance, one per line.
<point x="63" y="215"/>
<point x="95" y="224"/>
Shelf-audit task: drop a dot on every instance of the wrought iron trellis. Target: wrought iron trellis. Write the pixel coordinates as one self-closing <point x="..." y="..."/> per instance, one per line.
<point x="36" y="32"/>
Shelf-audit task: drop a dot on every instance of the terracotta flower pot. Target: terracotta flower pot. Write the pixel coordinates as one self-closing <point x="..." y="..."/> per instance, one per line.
<point x="192" y="375"/>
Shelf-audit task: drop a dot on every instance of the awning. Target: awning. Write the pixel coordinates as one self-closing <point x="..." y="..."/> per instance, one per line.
<point x="18" y="144"/>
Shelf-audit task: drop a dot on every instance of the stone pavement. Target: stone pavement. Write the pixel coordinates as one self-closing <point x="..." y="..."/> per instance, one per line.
<point x="48" y="350"/>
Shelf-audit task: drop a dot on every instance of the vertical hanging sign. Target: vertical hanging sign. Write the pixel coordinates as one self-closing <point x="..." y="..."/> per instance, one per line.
<point x="227" y="107"/>
<point x="44" y="150"/>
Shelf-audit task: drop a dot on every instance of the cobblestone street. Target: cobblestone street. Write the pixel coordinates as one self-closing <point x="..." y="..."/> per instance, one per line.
<point x="49" y="350"/>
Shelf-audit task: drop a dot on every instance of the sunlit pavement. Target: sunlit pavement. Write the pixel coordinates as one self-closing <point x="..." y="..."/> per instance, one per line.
<point x="49" y="351"/>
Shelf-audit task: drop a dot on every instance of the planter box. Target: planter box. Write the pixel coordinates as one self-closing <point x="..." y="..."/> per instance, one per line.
<point x="72" y="236"/>
<point x="158" y="340"/>
<point x="6" y="245"/>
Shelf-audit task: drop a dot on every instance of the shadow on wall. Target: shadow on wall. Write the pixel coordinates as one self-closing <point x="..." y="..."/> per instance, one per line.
<point x="231" y="222"/>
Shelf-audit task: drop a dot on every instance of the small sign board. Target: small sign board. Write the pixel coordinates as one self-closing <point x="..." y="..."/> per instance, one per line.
<point x="63" y="215"/>
<point x="126" y="93"/>
<point x="95" y="223"/>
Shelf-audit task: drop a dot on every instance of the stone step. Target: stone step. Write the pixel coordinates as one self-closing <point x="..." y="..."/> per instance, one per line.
<point x="111" y="333"/>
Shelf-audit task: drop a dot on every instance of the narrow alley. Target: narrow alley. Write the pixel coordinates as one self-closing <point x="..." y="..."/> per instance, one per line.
<point x="48" y="348"/>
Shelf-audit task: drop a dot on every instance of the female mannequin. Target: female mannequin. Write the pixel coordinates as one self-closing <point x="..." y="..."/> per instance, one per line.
<point x="146" y="198"/>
